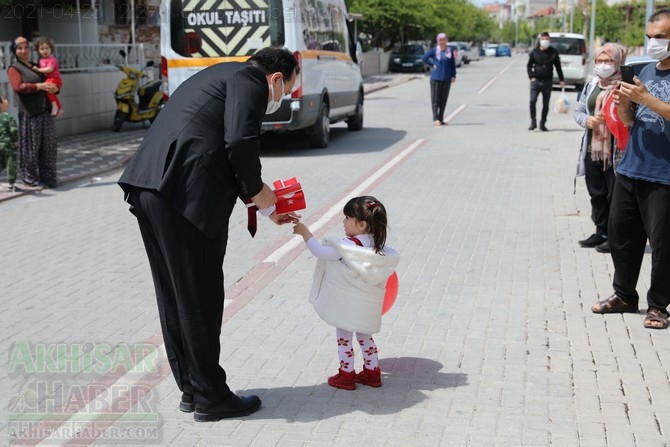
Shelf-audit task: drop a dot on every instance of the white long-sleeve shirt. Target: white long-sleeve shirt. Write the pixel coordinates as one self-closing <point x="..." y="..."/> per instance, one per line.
<point x="330" y="253"/>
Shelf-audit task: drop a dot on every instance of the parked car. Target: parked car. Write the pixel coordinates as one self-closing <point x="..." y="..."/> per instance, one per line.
<point x="572" y="51"/>
<point x="457" y="52"/>
<point x="504" y="50"/>
<point x="464" y="49"/>
<point x="491" y="50"/>
<point x="408" y="58"/>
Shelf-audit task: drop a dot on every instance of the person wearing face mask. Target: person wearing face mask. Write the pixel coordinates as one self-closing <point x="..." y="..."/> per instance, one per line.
<point x="198" y="157"/>
<point x="598" y="143"/>
<point x="541" y="63"/>
<point x="640" y="208"/>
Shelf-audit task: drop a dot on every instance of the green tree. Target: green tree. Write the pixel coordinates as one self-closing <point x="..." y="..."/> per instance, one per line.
<point x="390" y="21"/>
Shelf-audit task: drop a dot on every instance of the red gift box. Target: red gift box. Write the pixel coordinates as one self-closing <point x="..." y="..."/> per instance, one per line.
<point x="290" y="196"/>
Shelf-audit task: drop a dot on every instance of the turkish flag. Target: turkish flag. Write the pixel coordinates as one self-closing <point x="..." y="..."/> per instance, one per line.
<point x="614" y="123"/>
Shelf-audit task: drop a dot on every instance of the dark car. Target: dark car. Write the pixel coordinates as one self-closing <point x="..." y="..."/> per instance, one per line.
<point x="408" y="58"/>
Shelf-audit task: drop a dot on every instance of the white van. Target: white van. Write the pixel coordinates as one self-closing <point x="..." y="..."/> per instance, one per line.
<point x="195" y="35"/>
<point x="574" y="58"/>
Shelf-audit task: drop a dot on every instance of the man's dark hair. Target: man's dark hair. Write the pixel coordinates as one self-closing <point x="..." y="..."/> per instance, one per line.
<point x="655" y="17"/>
<point x="273" y="59"/>
<point x="544" y="34"/>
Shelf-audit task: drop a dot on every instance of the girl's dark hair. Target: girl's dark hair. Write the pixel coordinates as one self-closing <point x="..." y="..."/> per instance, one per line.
<point x="371" y="211"/>
<point x="274" y="59"/>
<point x="40" y="40"/>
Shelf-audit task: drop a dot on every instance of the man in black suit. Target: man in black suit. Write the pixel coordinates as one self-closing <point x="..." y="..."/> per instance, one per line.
<point x="200" y="154"/>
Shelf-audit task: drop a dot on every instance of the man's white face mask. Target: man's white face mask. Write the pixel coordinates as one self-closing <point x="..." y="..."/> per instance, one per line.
<point x="273" y="104"/>
<point x="658" y="49"/>
<point x="544" y="43"/>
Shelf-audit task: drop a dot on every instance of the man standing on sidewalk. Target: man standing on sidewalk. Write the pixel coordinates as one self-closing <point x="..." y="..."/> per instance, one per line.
<point x="540" y="67"/>
<point x="201" y="153"/>
<point x="641" y="201"/>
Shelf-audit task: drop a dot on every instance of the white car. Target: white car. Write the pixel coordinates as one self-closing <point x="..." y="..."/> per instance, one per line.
<point x="574" y="58"/>
<point x="491" y="50"/>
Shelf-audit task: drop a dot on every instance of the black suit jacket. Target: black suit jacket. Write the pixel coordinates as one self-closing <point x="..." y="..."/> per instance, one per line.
<point x="202" y="151"/>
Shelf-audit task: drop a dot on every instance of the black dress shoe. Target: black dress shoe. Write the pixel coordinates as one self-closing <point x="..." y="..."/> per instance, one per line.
<point x="187" y="404"/>
<point x="593" y="241"/>
<point x="533" y="125"/>
<point x="232" y="407"/>
<point x="543" y="128"/>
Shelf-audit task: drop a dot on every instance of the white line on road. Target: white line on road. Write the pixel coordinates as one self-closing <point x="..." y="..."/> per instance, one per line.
<point x="487" y="85"/>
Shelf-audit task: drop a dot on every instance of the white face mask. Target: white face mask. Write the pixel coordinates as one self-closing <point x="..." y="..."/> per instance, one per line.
<point x="604" y="71"/>
<point x="658" y="49"/>
<point x="273" y="104"/>
<point x="544" y="44"/>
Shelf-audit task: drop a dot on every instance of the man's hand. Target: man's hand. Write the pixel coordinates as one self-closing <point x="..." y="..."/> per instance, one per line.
<point x="265" y="198"/>
<point x="562" y="84"/>
<point x="634" y="92"/>
<point x="281" y="219"/>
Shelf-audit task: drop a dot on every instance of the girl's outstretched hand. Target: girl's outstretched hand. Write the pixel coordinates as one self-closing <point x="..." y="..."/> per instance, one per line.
<point x="302" y="230"/>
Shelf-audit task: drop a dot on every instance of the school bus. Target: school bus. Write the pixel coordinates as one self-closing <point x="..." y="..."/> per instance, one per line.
<point x="198" y="33"/>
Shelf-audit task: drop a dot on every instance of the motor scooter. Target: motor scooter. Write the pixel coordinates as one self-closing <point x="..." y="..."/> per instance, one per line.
<point x="137" y="100"/>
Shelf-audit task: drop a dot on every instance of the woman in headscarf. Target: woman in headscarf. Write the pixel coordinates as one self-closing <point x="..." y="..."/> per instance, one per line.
<point x="598" y="143"/>
<point x="37" y="131"/>
<point x="443" y="74"/>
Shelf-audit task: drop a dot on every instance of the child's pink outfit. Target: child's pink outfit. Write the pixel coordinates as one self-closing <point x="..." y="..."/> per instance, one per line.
<point x="54" y="77"/>
<point x="348" y="292"/>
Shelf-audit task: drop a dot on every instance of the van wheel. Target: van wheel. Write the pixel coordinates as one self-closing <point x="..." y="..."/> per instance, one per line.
<point x="355" y="122"/>
<point x="119" y="118"/>
<point x="320" y="131"/>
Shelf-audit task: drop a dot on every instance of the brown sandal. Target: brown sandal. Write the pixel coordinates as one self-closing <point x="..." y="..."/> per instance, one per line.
<point x="656" y="319"/>
<point x="614" y="305"/>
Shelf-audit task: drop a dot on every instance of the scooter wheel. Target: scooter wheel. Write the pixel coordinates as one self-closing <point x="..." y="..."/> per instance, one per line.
<point x="119" y="118"/>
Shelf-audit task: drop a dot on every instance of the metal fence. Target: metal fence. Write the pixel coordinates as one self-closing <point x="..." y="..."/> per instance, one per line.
<point x="74" y="58"/>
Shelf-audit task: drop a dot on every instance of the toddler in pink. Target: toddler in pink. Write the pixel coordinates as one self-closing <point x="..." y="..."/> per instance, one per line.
<point x="48" y="66"/>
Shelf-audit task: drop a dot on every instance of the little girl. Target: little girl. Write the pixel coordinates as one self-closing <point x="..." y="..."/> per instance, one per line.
<point x="48" y="66"/>
<point x="349" y="286"/>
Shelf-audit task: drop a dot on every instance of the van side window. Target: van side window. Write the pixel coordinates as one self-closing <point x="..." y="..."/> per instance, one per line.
<point x="324" y="26"/>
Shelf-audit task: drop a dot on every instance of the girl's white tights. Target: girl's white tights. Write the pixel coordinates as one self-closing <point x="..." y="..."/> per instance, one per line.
<point x="345" y="350"/>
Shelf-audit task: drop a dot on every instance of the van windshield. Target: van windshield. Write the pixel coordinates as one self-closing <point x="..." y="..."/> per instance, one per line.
<point x="224" y="28"/>
<point x="568" y="45"/>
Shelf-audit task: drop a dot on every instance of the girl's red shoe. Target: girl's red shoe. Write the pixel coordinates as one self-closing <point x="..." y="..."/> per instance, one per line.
<point x="343" y="380"/>
<point x="370" y="377"/>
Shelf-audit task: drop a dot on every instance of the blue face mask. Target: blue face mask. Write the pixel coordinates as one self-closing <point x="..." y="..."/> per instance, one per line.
<point x="273" y="104"/>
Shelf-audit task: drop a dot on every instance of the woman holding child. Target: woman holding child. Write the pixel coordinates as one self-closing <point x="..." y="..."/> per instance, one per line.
<point x="37" y="132"/>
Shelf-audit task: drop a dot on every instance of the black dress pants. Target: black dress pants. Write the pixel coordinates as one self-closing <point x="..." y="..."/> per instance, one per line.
<point x="187" y="270"/>
<point x="538" y="86"/>
<point x="640" y="210"/>
<point x="600" y="185"/>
